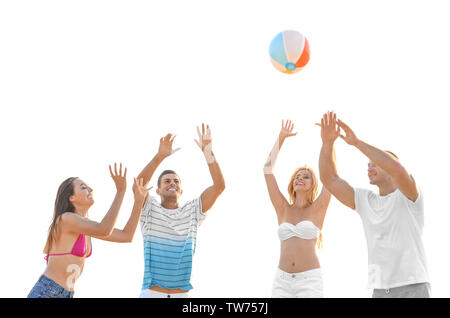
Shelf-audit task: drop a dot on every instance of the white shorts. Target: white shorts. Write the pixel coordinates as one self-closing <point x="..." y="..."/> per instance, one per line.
<point x="150" y="293"/>
<point x="307" y="284"/>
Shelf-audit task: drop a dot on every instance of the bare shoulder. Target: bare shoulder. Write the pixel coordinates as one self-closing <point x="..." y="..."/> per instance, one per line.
<point x="69" y="218"/>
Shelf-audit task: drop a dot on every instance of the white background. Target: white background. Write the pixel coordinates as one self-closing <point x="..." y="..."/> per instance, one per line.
<point x="84" y="84"/>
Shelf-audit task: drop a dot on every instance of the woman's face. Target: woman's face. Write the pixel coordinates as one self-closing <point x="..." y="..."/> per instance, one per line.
<point x="303" y="181"/>
<point x="82" y="194"/>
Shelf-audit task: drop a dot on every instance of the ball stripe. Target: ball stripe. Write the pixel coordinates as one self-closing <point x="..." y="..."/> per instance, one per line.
<point x="277" y="51"/>
<point x="294" y="44"/>
<point x="304" y="58"/>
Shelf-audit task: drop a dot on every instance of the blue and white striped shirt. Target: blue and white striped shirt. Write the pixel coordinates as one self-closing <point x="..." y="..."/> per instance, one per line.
<point x="169" y="243"/>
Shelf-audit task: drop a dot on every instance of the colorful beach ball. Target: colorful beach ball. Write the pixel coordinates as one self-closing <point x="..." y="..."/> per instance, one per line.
<point x="289" y="51"/>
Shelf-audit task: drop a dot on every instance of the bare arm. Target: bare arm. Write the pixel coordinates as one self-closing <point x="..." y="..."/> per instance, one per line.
<point x="165" y="150"/>
<point x="278" y="200"/>
<point x="126" y="235"/>
<point x="75" y="223"/>
<point x="385" y="161"/>
<point x="327" y="163"/>
<point x="210" y="195"/>
<point x="321" y="205"/>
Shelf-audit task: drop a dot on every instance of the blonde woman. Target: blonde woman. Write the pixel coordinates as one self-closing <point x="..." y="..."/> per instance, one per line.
<point x="300" y="222"/>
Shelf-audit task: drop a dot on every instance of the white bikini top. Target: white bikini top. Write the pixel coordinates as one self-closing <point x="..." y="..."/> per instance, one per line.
<point x="304" y="229"/>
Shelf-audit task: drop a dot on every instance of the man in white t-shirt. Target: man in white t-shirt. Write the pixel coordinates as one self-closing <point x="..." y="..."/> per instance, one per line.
<point x="393" y="219"/>
<point x="169" y="229"/>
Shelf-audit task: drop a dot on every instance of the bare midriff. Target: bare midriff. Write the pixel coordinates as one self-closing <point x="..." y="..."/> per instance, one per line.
<point x="65" y="270"/>
<point x="167" y="291"/>
<point x="298" y="255"/>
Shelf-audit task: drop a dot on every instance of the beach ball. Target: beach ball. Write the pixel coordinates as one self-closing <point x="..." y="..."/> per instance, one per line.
<point x="289" y="51"/>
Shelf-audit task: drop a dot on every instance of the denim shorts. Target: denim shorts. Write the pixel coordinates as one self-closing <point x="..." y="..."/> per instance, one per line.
<point x="47" y="288"/>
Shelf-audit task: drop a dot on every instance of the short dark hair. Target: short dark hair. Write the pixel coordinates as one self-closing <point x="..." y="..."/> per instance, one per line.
<point x="163" y="174"/>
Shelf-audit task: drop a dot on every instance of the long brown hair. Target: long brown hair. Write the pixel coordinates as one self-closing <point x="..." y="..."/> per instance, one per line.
<point x="311" y="195"/>
<point x="62" y="204"/>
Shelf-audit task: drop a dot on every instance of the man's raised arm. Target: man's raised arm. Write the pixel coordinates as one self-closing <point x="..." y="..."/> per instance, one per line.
<point x="210" y="195"/>
<point x="327" y="162"/>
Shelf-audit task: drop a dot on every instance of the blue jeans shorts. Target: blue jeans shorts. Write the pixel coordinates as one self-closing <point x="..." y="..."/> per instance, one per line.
<point x="47" y="288"/>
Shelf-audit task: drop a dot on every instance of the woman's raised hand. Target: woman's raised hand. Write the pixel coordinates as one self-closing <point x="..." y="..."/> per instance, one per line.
<point x="286" y="129"/>
<point x="119" y="179"/>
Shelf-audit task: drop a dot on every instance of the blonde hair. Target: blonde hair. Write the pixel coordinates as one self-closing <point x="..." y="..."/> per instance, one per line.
<point x="312" y="193"/>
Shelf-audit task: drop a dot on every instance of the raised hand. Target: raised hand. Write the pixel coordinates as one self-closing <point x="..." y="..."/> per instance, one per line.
<point x="350" y="136"/>
<point x="285" y="132"/>
<point x="119" y="180"/>
<point x="205" y="142"/>
<point x="286" y="129"/>
<point x="330" y="130"/>
<point x="204" y="138"/>
<point x="165" y="146"/>
<point x="139" y="190"/>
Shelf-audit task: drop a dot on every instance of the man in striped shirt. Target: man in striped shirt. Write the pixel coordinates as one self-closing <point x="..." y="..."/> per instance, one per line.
<point x="170" y="230"/>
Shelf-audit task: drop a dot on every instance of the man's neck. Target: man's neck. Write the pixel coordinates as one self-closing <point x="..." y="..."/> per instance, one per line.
<point x="386" y="188"/>
<point x="170" y="204"/>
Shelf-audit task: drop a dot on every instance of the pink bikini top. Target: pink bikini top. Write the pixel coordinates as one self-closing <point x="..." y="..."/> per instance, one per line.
<point x="79" y="248"/>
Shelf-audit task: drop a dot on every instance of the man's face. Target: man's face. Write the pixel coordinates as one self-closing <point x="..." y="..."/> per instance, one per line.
<point x="170" y="186"/>
<point x="376" y="174"/>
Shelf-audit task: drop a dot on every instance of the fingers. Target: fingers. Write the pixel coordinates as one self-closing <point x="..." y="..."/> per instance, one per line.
<point x="173" y="151"/>
<point x="204" y="135"/>
<point x="328" y="119"/>
<point x="287" y="128"/>
<point x="289" y="125"/>
<point x="116" y="173"/>
<point x="139" y="184"/>
<point x="168" y="138"/>
<point x="343" y="125"/>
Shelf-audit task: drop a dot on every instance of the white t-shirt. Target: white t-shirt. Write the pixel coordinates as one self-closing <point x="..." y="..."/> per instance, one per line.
<point x="393" y="226"/>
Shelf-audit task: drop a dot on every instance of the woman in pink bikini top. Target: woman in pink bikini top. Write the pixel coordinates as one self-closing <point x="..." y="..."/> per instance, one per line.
<point x="72" y="230"/>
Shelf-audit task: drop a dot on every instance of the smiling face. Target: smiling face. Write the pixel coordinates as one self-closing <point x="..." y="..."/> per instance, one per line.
<point x="169" y="187"/>
<point x="82" y="194"/>
<point x="376" y="174"/>
<point x="303" y="182"/>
